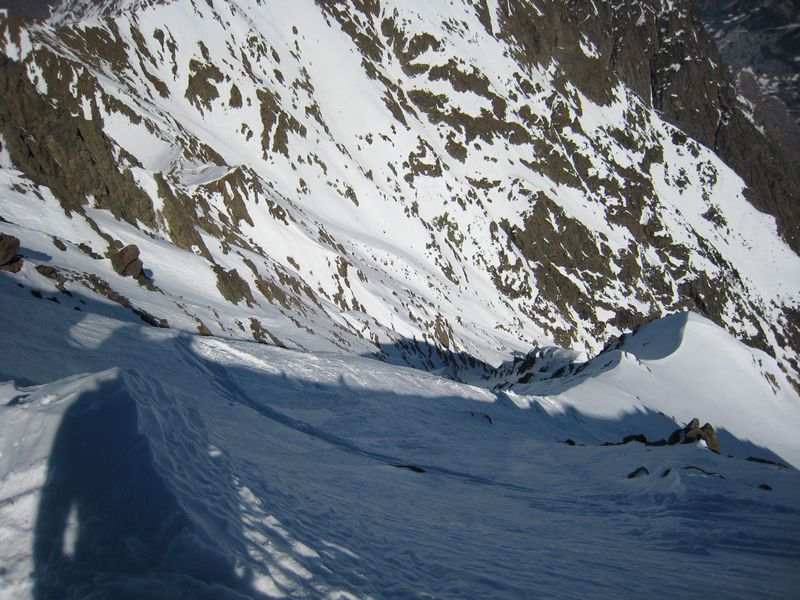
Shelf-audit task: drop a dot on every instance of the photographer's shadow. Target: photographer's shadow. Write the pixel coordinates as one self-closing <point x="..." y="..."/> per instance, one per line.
<point x="108" y="526"/>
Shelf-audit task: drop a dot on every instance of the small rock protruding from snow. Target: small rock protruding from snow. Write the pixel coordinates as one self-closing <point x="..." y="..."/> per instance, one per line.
<point x="638" y="473"/>
<point x="693" y="433"/>
<point x="638" y="437"/>
<point x="126" y="261"/>
<point x="9" y="257"/>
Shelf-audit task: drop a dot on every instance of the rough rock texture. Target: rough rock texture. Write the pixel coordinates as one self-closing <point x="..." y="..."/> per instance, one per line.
<point x="69" y="154"/>
<point x="687" y="82"/>
<point x="231" y="285"/>
<point x="759" y="37"/>
<point x="9" y="246"/>
<point x="126" y="261"/>
<point x="693" y="433"/>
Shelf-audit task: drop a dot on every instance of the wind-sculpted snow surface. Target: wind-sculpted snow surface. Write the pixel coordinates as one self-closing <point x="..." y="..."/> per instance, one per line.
<point x="143" y="462"/>
<point x="671" y="366"/>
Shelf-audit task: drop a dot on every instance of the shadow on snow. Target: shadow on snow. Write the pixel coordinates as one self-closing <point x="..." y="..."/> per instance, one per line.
<point x="111" y="524"/>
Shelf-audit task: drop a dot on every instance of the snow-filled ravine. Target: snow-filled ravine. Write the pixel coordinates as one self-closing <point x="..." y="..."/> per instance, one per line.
<point x="138" y="462"/>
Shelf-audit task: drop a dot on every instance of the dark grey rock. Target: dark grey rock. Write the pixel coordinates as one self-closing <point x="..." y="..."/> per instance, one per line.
<point x="637" y="437"/>
<point x="765" y="461"/>
<point x="413" y="468"/>
<point x="641" y="471"/>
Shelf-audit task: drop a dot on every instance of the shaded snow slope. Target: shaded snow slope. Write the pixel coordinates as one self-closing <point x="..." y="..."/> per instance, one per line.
<point x="684" y="366"/>
<point x="142" y="460"/>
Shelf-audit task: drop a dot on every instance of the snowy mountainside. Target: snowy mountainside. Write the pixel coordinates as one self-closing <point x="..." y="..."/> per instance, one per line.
<point x="146" y="461"/>
<point x="440" y="183"/>
<point x="216" y="215"/>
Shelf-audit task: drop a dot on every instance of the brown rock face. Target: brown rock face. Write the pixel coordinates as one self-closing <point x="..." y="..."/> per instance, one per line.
<point x="671" y="62"/>
<point x="701" y="99"/>
<point x="693" y="433"/>
<point x="127" y="263"/>
<point x="70" y="155"/>
<point x="710" y="436"/>
<point x="233" y="288"/>
<point x="9" y="246"/>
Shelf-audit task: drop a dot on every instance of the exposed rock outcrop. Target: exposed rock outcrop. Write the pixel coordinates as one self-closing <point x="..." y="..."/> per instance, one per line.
<point x="693" y="433"/>
<point x="9" y="247"/>
<point x="126" y="261"/>
<point x="9" y="259"/>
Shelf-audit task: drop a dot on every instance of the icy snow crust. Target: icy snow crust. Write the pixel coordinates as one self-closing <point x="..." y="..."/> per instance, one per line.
<point x="139" y="461"/>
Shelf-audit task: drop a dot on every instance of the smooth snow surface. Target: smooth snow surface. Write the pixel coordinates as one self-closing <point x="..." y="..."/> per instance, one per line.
<point x="140" y="462"/>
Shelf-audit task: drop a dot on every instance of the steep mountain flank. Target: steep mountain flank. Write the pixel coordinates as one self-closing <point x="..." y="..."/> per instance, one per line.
<point x="761" y="39"/>
<point x="424" y="182"/>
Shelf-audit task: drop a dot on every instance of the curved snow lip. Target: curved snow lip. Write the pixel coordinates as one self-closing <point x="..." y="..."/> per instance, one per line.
<point x="659" y="338"/>
<point x="685" y="366"/>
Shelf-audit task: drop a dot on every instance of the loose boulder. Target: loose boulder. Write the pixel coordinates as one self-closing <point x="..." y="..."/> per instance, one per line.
<point x="9" y="247"/>
<point x="127" y="263"/>
<point x="693" y="433"/>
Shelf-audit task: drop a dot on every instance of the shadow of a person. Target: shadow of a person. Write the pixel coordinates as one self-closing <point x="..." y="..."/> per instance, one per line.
<point x="108" y="526"/>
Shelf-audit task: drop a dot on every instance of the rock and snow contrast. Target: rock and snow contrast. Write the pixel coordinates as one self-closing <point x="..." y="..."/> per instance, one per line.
<point x="760" y="41"/>
<point x="382" y="298"/>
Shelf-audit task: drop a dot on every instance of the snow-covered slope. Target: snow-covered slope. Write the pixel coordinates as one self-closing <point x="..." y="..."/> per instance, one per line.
<point x="216" y="215"/>
<point x="682" y="365"/>
<point x="359" y="176"/>
<point x="137" y="461"/>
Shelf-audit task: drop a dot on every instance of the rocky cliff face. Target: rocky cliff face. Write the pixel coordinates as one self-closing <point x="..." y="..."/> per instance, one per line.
<point x="761" y="40"/>
<point x="433" y="183"/>
<point x="31" y="9"/>
<point x="759" y="43"/>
